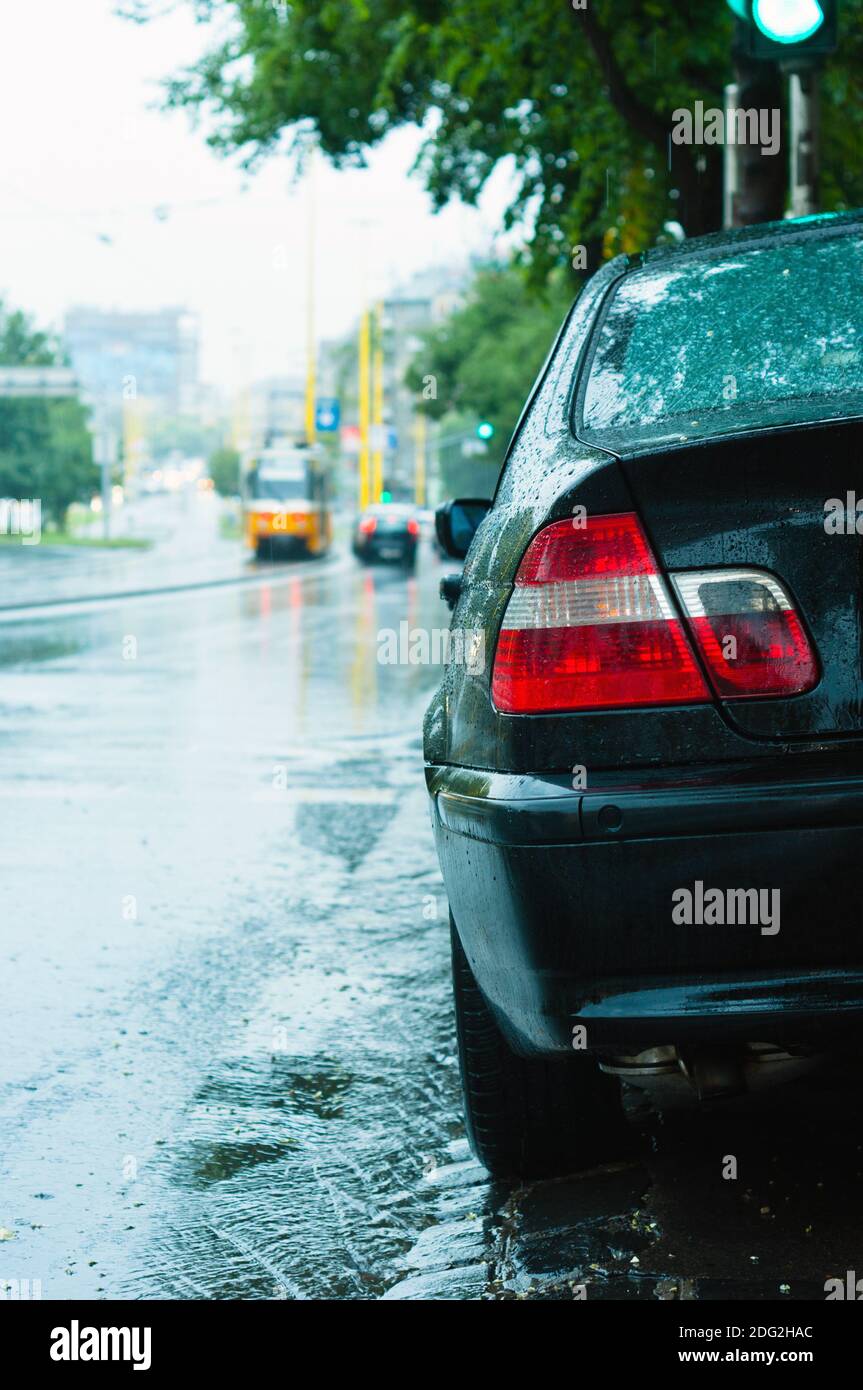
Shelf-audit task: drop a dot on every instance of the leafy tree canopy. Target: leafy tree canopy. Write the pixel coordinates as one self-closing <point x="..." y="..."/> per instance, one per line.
<point x="580" y="99"/>
<point x="482" y="360"/>
<point x="183" y="434"/>
<point x="45" y="448"/>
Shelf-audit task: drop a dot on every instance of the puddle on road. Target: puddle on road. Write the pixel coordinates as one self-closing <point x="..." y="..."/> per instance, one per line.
<point x="317" y="1093"/>
<point x="346" y="832"/>
<point x="28" y="646"/>
<point x="297" y="1168"/>
<point x="222" y="1161"/>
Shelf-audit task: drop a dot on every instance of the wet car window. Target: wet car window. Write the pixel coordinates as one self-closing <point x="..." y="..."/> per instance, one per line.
<point x="770" y="335"/>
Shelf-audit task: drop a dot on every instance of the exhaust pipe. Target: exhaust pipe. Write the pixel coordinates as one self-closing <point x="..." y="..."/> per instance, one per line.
<point x="704" y="1072"/>
<point x="713" y="1073"/>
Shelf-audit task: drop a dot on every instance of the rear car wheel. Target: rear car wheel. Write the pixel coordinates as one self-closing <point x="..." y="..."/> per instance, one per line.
<point x="530" y="1116"/>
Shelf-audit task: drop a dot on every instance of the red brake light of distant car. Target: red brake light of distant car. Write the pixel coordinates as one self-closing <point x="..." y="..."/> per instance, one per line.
<point x="590" y="625"/>
<point x="748" y="632"/>
<point x="368" y="524"/>
<point x="413" y="527"/>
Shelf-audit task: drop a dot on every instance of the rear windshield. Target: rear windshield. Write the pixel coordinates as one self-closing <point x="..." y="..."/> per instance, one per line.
<point x="766" y="337"/>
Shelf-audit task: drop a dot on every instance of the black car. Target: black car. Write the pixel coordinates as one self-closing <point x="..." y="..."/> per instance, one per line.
<point x="648" y="799"/>
<point x="389" y="532"/>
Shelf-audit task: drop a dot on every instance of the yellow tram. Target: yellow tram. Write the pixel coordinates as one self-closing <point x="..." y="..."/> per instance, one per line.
<point x="286" y="501"/>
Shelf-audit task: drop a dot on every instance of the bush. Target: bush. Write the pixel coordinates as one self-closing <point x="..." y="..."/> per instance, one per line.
<point x="225" y="471"/>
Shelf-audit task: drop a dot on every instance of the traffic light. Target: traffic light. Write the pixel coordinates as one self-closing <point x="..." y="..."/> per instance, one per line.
<point x="784" y="30"/>
<point x="485" y="429"/>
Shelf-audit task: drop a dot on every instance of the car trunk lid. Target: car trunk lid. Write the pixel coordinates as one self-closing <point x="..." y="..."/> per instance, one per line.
<point x="784" y="503"/>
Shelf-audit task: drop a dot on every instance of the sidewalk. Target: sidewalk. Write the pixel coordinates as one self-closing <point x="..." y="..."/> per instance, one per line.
<point x="187" y="549"/>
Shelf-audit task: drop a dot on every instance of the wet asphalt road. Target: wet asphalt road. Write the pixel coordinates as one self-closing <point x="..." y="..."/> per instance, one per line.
<point x="228" y="1064"/>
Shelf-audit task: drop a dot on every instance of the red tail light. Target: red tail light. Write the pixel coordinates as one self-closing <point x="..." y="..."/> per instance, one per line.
<point x="748" y="633"/>
<point x="368" y="524"/>
<point x="413" y="527"/>
<point x="590" y="625"/>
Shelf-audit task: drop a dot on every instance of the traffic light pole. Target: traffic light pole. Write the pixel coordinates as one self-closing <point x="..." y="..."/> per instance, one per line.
<point x="732" y="175"/>
<point x="774" y="40"/>
<point x="364" y="410"/>
<point x="804" y="148"/>
<point x="753" y="184"/>
<point x="378" y="404"/>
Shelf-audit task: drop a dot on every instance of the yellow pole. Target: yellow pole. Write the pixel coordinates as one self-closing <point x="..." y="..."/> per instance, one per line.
<point x="310" y="309"/>
<point x="240" y="427"/>
<point x="420" y="467"/>
<point x="134" y="434"/>
<point x="364" y="410"/>
<point x="378" y="406"/>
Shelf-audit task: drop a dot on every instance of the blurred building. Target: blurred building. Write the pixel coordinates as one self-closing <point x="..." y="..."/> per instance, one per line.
<point x="408" y="313"/>
<point x="121" y="356"/>
<point x="408" y="441"/>
<point x="275" y="408"/>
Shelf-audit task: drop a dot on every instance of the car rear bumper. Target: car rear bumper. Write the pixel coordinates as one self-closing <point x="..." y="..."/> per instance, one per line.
<point x="565" y="899"/>
<point x="395" y="548"/>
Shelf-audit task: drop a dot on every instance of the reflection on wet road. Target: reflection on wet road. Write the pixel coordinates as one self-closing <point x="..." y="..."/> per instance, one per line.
<point x="228" y="1057"/>
<point x="227" y="1049"/>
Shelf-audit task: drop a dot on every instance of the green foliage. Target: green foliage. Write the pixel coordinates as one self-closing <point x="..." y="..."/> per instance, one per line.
<point x="182" y="434"/>
<point x="466" y="475"/>
<point x="578" y="100"/>
<point x="45" y="447"/>
<point x="481" y="363"/>
<point x="224" y="470"/>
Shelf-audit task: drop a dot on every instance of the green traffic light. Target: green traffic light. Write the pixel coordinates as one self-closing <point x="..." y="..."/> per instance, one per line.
<point x="386" y="497"/>
<point x="787" y="21"/>
<point x="485" y="429"/>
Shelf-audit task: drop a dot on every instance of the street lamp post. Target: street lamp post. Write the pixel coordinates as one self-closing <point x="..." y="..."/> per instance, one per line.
<point x="311" y="347"/>
<point x="105" y="457"/>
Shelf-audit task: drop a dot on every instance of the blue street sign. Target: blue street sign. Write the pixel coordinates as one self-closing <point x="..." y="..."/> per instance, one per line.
<point x="327" y="414"/>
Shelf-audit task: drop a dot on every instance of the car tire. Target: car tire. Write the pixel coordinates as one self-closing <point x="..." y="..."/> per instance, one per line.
<point x="530" y="1116"/>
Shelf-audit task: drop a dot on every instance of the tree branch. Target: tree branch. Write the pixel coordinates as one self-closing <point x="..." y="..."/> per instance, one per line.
<point x="641" y="117"/>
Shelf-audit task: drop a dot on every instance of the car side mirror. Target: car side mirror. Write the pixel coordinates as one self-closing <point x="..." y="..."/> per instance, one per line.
<point x="456" y="523"/>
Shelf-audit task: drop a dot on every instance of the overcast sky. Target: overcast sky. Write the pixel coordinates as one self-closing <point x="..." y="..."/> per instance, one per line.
<point x="87" y="154"/>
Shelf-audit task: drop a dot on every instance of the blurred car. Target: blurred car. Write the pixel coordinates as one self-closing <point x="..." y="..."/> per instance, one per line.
<point x="387" y="533"/>
<point x="648" y="803"/>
